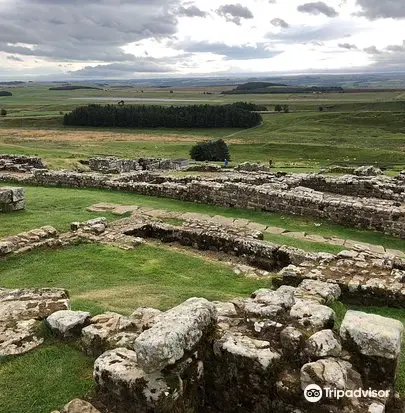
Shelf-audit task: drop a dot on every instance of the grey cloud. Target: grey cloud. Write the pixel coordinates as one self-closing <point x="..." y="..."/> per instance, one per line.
<point x="347" y="46"/>
<point x="333" y="30"/>
<point x="277" y="22"/>
<point x="118" y="70"/>
<point x="15" y="58"/>
<point x="192" y="11"/>
<point x="234" y="13"/>
<point x="372" y="50"/>
<point x="95" y="31"/>
<point x="243" y="52"/>
<point x="317" y="8"/>
<point x="374" y="9"/>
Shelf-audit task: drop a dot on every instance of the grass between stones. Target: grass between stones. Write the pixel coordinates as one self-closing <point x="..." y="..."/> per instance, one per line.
<point x="61" y="206"/>
<point x="103" y="278"/>
<point x="44" y="379"/>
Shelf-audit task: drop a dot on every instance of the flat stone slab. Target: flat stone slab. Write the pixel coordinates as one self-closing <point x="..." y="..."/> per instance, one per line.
<point x="275" y="230"/>
<point x="374" y="336"/>
<point x="177" y="330"/>
<point x="68" y="323"/>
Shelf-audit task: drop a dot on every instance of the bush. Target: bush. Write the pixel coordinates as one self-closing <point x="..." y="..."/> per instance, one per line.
<point x="216" y="150"/>
<point x="278" y="108"/>
<point x="5" y="93"/>
<point x="3" y="112"/>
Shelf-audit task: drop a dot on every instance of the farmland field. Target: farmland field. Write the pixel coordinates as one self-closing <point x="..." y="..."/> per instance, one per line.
<point x="352" y="128"/>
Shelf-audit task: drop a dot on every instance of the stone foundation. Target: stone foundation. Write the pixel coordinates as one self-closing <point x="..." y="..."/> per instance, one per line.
<point x="283" y="194"/>
<point x="12" y="199"/>
<point x="20" y="163"/>
<point x="255" y="354"/>
<point x="114" y="165"/>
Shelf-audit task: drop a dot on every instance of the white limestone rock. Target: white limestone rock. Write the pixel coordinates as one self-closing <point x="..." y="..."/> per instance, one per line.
<point x="314" y="290"/>
<point x="282" y="297"/>
<point x="245" y="347"/>
<point x="323" y="344"/>
<point x="145" y="317"/>
<point x="177" y="331"/>
<point x="68" y="323"/>
<point x="373" y="335"/>
<point x="313" y="315"/>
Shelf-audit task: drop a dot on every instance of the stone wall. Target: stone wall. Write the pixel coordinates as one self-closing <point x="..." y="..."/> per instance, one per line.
<point x="12" y="199"/>
<point x="114" y="165"/>
<point x="20" y="163"/>
<point x="383" y="215"/>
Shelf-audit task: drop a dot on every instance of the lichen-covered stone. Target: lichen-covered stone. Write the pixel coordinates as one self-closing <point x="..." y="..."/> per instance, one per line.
<point x="67" y="323"/>
<point x="178" y="330"/>
<point x="323" y="344"/>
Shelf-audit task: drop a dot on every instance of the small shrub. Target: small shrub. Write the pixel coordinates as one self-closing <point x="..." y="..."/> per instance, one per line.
<point x="278" y="108"/>
<point x="216" y="150"/>
<point x="3" y="112"/>
<point x="286" y="109"/>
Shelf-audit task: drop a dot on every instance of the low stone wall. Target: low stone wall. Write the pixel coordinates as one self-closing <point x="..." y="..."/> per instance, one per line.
<point x="12" y="199"/>
<point x="114" y="165"/>
<point x="20" y="163"/>
<point x="367" y="213"/>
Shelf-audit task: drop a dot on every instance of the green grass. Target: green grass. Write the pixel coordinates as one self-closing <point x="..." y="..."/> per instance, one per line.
<point x="61" y="206"/>
<point x="44" y="379"/>
<point x="107" y="278"/>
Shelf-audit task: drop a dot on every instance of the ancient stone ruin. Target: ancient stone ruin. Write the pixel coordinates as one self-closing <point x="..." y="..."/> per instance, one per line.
<point x="12" y="199"/>
<point x="20" y="163"/>
<point x="254" y="354"/>
<point x="114" y="165"/>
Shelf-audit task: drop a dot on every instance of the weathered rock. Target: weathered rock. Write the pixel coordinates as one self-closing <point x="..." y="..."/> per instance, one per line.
<point x="330" y="373"/>
<point x="11" y="199"/>
<point x="145" y="317"/>
<point x="324" y="293"/>
<point x="313" y="315"/>
<point x="323" y="344"/>
<point x="291" y="340"/>
<point x="102" y="327"/>
<point x="79" y="406"/>
<point x="373" y="335"/>
<point x="282" y="297"/>
<point x="225" y="309"/>
<point x="240" y="346"/>
<point x="67" y="323"/>
<point x="18" y="337"/>
<point x="178" y="330"/>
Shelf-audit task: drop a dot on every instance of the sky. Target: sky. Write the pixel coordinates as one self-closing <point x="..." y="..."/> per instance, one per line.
<point x="129" y="39"/>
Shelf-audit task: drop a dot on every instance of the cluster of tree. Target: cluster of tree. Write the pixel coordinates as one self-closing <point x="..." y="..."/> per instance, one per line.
<point x="5" y="93"/>
<point x="13" y="83"/>
<point x="3" y="112"/>
<point x="153" y="116"/>
<point x="250" y="106"/>
<point x="72" y="87"/>
<point x="282" y="108"/>
<point x="216" y="150"/>
<point x="272" y="88"/>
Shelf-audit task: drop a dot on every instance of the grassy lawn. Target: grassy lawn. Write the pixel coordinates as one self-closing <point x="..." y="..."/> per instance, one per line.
<point x="44" y="379"/>
<point x="61" y="206"/>
<point x="103" y="278"/>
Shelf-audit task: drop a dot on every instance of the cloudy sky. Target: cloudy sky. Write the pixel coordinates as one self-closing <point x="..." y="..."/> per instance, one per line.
<point x="90" y="39"/>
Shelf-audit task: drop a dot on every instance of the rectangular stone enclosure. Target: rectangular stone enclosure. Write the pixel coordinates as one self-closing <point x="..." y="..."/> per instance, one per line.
<point x="12" y="199"/>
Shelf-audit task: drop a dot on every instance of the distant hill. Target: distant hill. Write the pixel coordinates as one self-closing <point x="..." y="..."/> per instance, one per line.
<point x="276" y="88"/>
<point x="72" y="87"/>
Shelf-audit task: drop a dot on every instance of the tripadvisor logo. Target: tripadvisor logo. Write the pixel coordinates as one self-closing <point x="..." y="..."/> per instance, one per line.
<point x="313" y="393"/>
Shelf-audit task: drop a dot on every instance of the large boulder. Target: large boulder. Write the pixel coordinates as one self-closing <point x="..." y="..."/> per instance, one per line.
<point x="67" y="323"/>
<point x="178" y="330"/>
<point x="373" y="335"/>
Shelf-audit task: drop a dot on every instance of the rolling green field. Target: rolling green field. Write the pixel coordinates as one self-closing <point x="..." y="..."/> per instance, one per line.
<point x="354" y="128"/>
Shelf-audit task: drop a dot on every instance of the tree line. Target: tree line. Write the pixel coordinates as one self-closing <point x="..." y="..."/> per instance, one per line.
<point x="152" y="116"/>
